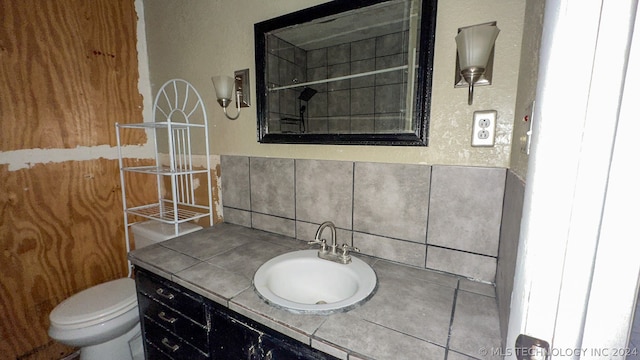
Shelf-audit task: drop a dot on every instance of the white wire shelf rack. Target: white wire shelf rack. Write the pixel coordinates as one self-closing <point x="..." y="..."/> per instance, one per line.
<point x="179" y="126"/>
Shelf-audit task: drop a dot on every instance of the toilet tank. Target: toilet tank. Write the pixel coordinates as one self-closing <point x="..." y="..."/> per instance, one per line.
<point x="152" y="232"/>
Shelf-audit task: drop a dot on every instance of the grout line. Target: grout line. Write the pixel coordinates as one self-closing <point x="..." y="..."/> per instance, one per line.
<point x="452" y="249"/>
<point x="295" y="199"/>
<point x="402" y="332"/>
<point x="250" y="204"/>
<point x="426" y="231"/>
<point x="453" y="312"/>
<point x="353" y="198"/>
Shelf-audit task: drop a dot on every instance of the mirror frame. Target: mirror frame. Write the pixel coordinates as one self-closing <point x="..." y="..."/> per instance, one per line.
<point x="422" y="103"/>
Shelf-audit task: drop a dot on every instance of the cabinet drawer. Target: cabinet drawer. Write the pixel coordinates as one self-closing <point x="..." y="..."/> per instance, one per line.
<point x="153" y="353"/>
<point x="168" y="343"/>
<point x="192" y="332"/>
<point x="189" y="304"/>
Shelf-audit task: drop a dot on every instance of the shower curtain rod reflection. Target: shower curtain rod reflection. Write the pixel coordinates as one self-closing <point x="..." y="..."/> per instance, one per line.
<point x="403" y="67"/>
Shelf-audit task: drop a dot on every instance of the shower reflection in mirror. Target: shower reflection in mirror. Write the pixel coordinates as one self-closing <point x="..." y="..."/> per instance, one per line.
<point x="343" y="72"/>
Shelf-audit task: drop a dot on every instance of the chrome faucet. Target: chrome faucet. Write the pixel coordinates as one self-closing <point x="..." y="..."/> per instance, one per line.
<point x="332" y="227"/>
<point x="333" y="255"/>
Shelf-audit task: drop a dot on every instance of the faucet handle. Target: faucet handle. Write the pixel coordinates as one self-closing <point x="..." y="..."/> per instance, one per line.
<point x="345" y="258"/>
<point x="346" y="248"/>
<point x="322" y="243"/>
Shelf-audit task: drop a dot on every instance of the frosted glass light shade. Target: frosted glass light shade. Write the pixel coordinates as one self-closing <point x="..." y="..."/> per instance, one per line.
<point x="474" y="45"/>
<point x="224" y="86"/>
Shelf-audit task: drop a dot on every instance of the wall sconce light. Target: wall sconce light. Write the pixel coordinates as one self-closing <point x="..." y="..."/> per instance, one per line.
<point x="474" y="64"/>
<point x="225" y="87"/>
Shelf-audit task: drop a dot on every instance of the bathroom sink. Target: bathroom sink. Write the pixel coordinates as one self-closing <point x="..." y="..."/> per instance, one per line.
<point x="301" y="282"/>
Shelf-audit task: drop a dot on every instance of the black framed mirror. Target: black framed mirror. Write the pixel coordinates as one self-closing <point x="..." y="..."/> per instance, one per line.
<point x="347" y="72"/>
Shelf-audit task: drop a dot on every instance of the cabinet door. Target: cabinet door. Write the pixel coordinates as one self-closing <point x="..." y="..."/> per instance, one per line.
<point x="232" y="339"/>
<point x="275" y="347"/>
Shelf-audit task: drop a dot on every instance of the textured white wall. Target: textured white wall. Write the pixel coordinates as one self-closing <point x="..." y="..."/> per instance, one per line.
<point x="527" y="82"/>
<point x="197" y="39"/>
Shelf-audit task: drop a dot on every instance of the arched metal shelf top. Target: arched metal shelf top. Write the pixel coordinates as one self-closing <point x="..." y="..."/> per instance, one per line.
<point x="179" y="97"/>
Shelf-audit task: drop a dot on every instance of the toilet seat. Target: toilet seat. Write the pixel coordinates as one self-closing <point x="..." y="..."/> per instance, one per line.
<point x="95" y="305"/>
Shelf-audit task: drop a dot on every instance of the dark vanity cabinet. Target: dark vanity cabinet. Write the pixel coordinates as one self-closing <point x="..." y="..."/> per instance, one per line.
<point x="179" y="324"/>
<point x="176" y="323"/>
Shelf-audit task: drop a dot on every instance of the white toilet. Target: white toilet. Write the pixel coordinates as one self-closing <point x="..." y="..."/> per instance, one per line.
<point x="103" y="320"/>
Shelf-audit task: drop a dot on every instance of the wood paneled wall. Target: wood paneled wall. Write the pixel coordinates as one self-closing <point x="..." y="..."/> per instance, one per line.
<point x="61" y="231"/>
<point x="68" y="72"/>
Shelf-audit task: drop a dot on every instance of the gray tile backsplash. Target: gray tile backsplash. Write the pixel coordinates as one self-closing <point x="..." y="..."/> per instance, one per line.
<point x="236" y="216"/>
<point x="466" y="208"/>
<point x="274" y="224"/>
<point x="405" y="252"/>
<point x="445" y="218"/>
<point x="324" y="192"/>
<point x="272" y="186"/>
<point x="509" y="236"/>
<point x="391" y="200"/>
<point x="236" y="182"/>
<point x="463" y="263"/>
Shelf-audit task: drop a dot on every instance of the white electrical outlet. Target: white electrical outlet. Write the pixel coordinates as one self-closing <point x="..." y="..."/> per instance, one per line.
<point x="484" y="128"/>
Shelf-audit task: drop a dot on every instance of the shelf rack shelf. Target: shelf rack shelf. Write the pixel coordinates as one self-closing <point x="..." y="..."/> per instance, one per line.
<point x="166" y="213"/>
<point x="161" y="170"/>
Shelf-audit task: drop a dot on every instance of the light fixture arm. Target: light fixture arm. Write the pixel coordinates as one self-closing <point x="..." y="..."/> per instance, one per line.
<point x="471" y="76"/>
<point x="225" y="103"/>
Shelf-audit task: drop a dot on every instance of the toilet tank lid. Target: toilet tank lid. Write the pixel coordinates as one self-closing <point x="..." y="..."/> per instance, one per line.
<point x="100" y="302"/>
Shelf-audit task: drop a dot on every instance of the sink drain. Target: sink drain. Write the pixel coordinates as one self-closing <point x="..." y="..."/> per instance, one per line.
<point x="320" y="302"/>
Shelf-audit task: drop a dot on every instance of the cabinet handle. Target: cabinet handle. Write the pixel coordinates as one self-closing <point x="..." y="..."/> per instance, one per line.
<point x="253" y="353"/>
<point x="167" y="295"/>
<point x="162" y="315"/>
<point x="173" y="348"/>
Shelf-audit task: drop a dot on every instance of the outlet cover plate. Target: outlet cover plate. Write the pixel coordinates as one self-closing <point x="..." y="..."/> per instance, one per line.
<point x="484" y="128"/>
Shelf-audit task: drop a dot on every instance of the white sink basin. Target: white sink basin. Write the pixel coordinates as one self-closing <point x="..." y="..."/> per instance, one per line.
<point x="301" y="282"/>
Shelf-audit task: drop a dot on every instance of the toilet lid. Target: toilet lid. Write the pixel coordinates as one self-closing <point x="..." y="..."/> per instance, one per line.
<point x="97" y="303"/>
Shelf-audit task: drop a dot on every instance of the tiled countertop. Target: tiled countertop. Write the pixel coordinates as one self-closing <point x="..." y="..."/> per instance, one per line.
<point x="415" y="313"/>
